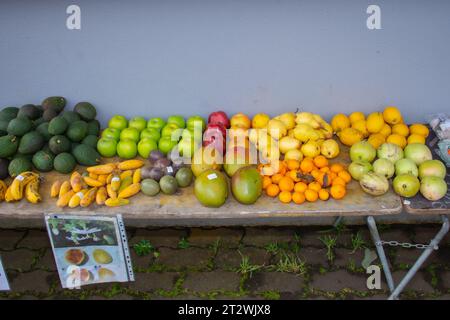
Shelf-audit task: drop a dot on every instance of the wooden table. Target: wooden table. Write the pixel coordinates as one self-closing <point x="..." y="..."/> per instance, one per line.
<point x="184" y="209"/>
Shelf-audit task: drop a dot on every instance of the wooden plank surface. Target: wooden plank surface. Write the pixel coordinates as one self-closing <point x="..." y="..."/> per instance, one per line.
<point x="184" y="205"/>
<point x="420" y="205"/>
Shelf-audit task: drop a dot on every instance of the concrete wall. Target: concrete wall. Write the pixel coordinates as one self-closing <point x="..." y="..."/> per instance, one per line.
<point x="156" y="58"/>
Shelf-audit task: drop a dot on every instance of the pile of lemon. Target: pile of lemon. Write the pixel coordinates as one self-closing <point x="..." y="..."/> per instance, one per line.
<point x="378" y="128"/>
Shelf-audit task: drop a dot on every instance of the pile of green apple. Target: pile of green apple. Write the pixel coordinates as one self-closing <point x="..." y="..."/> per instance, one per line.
<point x="127" y="139"/>
<point x="412" y="169"/>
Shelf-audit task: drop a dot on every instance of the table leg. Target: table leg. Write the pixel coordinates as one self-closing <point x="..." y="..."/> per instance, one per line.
<point x="423" y="257"/>
<point x="377" y="241"/>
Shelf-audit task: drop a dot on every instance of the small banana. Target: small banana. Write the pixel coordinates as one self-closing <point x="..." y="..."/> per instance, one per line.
<point x="19" y="183"/>
<point x="8" y="195"/>
<point x="32" y="192"/>
<point x="3" y="188"/>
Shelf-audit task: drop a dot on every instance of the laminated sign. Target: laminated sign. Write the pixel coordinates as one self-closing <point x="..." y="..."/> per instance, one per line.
<point x="89" y="249"/>
<point x="4" y="286"/>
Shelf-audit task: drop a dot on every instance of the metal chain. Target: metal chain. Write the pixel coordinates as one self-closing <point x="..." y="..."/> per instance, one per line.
<point x="406" y="245"/>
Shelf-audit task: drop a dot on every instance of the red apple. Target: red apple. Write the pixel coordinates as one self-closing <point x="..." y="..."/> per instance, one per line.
<point x="219" y="117"/>
<point x="216" y="134"/>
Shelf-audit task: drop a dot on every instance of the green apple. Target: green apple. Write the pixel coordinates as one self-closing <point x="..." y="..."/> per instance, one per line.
<point x="137" y="122"/>
<point x="178" y="120"/>
<point x="150" y="133"/>
<point x="166" y="144"/>
<point x="145" y="146"/>
<point x="187" y="147"/>
<point x="111" y="133"/>
<point x="169" y="129"/>
<point x="187" y="134"/>
<point x="196" y="121"/>
<point x="118" y="122"/>
<point x="127" y="149"/>
<point x="107" y="147"/>
<point x="157" y="123"/>
<point x="130" y="133"/>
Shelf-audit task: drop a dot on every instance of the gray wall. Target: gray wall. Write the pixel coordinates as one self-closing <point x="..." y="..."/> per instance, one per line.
<point x="156" y="58"/>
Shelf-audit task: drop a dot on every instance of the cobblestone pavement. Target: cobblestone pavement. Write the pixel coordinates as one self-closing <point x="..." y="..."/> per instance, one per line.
<point x="233" y="263"/>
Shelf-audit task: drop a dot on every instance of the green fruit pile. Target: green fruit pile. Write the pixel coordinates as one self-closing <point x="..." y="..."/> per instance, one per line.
<point x="48" y="137"/>
<point x="128" y="138"/>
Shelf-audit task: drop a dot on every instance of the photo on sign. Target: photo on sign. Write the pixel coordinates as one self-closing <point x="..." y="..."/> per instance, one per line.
<point x="88" y="250"/>
<point x="4" y="285"/>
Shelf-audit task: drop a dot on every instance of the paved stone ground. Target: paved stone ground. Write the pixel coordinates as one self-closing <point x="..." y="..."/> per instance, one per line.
<point x="233" y="263"/>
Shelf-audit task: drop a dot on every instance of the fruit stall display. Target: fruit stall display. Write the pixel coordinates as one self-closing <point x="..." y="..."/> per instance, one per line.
<point x="295" y="157"/>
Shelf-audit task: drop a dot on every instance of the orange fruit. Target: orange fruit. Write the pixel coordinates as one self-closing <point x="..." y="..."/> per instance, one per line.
<point x="307" y="165"/>
<point x="293" y="164"/>
<point x="300" y="187"/>
<point x="276" y="178"/>
<point x="266" y="182"/>
<point x="336" y="167"/>
<point x="324" y="194"/>
<point x="272" y="190"/>
<point x="298" y="197"/>
<point x="268" y="170"/>
<point x="332" y="175"/>
<point x="324" y="180"/>
<point x="325" y="169"/>
<point x="337" y="191"/>
<point x="283" y="167"/>
<point x="286" y="184"/>
<point x="339" y="180"/>
<point x="293" y="175"/>
<point x="311" y="195"/>
<point x="314" y="186"/>
<point x="320" y="161"/>
<point x="285" y="196"/>
<point x="345" y="175"/>
<point x="316" y="174"/>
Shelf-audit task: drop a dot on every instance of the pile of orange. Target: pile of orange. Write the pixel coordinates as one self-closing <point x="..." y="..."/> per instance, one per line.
<point x="307" y="180"/>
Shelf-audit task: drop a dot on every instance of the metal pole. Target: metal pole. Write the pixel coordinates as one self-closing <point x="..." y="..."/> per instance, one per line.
<point x="377" y="241"/>
<point x="423" y="257"/>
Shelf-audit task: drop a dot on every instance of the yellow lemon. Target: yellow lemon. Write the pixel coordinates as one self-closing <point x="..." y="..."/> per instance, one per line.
<point x="375" y="122"/>
<point x="416" y="138"/>
<point x="397" y="139"/>
<point x="418" y="128"/>
<point x="376" y="140"/>
<point x="361" y="126"/>
<point x="260" y="120"/>
<point x="340" y="122"/>
<point x="386" y="131"/>
<point x="293" y="154"/>
<point x="350" y="136"/>
<point x="392" y="115"/>
<point x="401" y="129"/>
<point x="356" y="116"/>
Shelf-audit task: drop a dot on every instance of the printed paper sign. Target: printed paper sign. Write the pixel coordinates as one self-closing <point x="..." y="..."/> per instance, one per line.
<point x="89" y="249"/>
<point x="4" y="285"/>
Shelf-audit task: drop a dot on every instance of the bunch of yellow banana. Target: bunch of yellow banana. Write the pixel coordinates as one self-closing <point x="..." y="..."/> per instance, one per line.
<point x="25" y="184"/>
<point x="108" y="184"/>
<point x="32" y="191"/>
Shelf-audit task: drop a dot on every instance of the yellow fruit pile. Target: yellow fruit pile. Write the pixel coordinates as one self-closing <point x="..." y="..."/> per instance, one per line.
<point x="378" y="128"/>
<point x="25" y="185"/>
<point x="108" y="184"/>
<point x="295" y="135"/>
<point x="307" y="180"/>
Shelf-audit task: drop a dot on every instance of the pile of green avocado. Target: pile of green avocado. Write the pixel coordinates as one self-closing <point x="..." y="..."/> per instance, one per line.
<point x="47" y="137"/>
